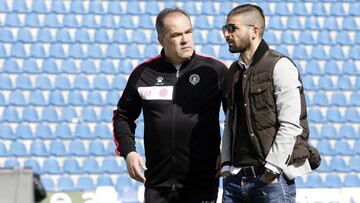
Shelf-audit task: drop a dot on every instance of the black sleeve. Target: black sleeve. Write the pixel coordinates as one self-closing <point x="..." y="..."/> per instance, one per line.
<point x="128" y="110"/>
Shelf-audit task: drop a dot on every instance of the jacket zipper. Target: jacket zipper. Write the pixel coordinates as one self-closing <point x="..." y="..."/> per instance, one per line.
<point x="173" y="188"/>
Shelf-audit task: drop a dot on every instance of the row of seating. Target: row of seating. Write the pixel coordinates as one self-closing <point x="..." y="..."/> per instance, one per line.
<point x="80" y="82"/>
<point x="336" y="99"/>
<point x="342" y="147"/>
<point x="153" y="7"/>
<point x="338" y="164"/>
<point x="330" y="67"/>
<point x="328" y="131"/>
<point x="330" y="181"/>
<point x="334" y="115"/>
<point x="326" y="83"/>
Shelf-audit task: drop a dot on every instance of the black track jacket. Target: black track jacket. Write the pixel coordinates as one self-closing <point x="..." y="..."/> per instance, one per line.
<point x="181" y="120"/>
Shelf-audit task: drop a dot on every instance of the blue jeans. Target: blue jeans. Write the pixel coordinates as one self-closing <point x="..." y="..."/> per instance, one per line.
<point x="251" y="189"/>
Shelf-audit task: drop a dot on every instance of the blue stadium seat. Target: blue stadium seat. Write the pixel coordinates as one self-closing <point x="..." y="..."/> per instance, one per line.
<point x="63" y="131"/>
<point x="306" y="38"/>
<point x="49" y="114"/>
<point x="330" y="23"/>
<point x="85" y="183"/>
<point x="87" y="115"/>
<point x="351" y="180"/>
<point x="140" y="131"/>
<point x="337" y="9"/>
<point x="32" y="20"/>
<point x="6" y="35"/>
<point x="37" y="51"/>
<point x="23" y="83"/>
<point x="334" y="115"/>
<point x="146" y="22"/>
<point x="208" y="50"/>
<point x="39" y="7"/>
<point x="324" y="147"/>
<point x="30" y="115"/>
<point x="104" y="181"/>
<point x="325" y="83"/>
<point x="10" y="114"/>
<point x="152" y="7"/>
<point x="313" y="68"/>
<point x="77" y="148"/>
<point x="127" y="22"/>
<point x="23" y="132"/>
<point x="342" y="147"/>
<point x="300" y="53"/>
<point x="139" y="37"/>
<point x="112" y="97"/>
<point x="337" y="164"/>
<point x="36" y="98"/>
<point x="329" y="131"/>
<point x="113" y="51"/>
<point x="96" y="7"/>
<point x="324" y="37"/>
<point x="354" y="53"/>
<point x="94" y="98"/>
<point x="17" y="149"/>
<point x="68" y="114"/>
<point x="34" y="165"/>
<point x="45" y="36"/>
<point x="24" y="35"/>
<point x="88" y="66"/>
<point x="75" y="51"/>
<point x="154" y="38"/>
<point x="338" y="99"/>
<point x="82" y="83"/>
<point x="125" y="66"/>
<point x="294" y="23"/>
<point x="51" y="166"/>
<point x="208" y="8"/>
<point x="6" y="83"/>
<point x="220" y="20"/>
<point x="320" y="99"/>
<point x="336" y="52"/>
<point x="354" y="99"/>
<point x="288" y="37"/>
<point x="226" y="7"/>
<point x="318" y="52"/>
<point x="4" y="8"/>
<point x="63" y="36"/>
<point x="111" y="148"/>
<point x="106" y="115"/>
<point x="133" y="52"/>
<point x="82" y="36"/>
<point x="344" y="83"/>
<point x="20" y="7"/>
<point x="43" y="131"/>
<point x="134" y="8"/>
<point x="332" y="181"/>
<point x="107" y="21"/>
<point x="301" y="9"/>
<point x="77" y="98"/>
<point x="140" y="148"/>
<point x="11" y="66"/>
<point x="343" y="38"/>
<point x="352" y="115"/>
<point x="101" y="83"/>
<point x="347" y="131"/>
<point x="89" y="21"/>
<point x="82" y="130"/>
<point x="57" y="51"/>
<point x="12" y="20"/>
<point x="314" y="133"/>
<point x="191" y="8"/>
<point x="299" y="181"/>
<point x="65" y="184"/>
<point x="114" y="7"/>
<point x="102" y="132"/>
<point x="101" y="36"/>
<point x="224" y="54"/>
<point x="50" y="20"/>
<point x="3" y="151"/>
<point x="318" y="9"/>
<point x="62" y="83"/>
<point x="150" y="51"/>
<point x="94" y="51"/>
<point x="110" y="165"/>
<point x="331" y="68"/>
<point x="56" y="98"/>
<point x="18" y="50"/>
<point x="17" y="98"/>
<point x="354" y="162"/>
<point x="91" y="166"/>
<point x="11" y="164"/>
<point x="314" y="181"/>
<point x="72" y="166"/>
<point x="357" y="83"/>
<point x="312" y="23"/>
<point x="30" y="66"/>
<point x="68" y="65"/>
<point x="43" y="83"/>
<point x="77" y="7"/>
<point x="49" y="66"/>
<point x="349" y="23"/>
<point x="281" y="9"/>
<point x="214" y="37"/>
<point x="70" y="21"/>
<point x="48" y="184"/>
<point x="275" y="23"/>
<point x="120" y="36"/>
<point x="202" y="22"/>
<point x="96" y="148"/>
<point x="3" y="101"/>
<point x="349" y="68"/>
<point x="38" y="148"/>
<point x="57" y="148"/>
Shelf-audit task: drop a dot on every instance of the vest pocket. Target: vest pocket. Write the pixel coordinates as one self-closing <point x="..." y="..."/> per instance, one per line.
<point x="261" y="96"/>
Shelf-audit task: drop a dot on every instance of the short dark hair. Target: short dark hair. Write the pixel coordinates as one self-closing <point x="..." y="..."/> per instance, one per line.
<point x="251" y="9"/>
<point x="161" y="16"/>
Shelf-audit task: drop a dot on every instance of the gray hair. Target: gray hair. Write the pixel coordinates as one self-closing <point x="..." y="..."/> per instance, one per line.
<point x="161" y="16"/>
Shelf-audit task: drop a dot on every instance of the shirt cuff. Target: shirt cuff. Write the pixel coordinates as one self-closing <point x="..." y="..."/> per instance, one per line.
<point x="273" y="168"/>
<point x="225" y="168"/>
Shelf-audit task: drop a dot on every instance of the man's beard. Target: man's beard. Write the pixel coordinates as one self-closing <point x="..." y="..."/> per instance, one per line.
<point x="240" y="49"/>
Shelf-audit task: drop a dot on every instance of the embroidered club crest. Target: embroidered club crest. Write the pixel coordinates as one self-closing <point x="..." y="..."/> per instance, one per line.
<point x="194" y="79"/>
<point x="159" y="81"/>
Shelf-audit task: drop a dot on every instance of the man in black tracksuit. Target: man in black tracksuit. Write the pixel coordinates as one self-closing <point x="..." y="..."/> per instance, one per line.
<point x="180" y="95"/>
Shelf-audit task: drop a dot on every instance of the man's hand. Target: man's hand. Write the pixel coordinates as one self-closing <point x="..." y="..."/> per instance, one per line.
<point x="134" y="164"/>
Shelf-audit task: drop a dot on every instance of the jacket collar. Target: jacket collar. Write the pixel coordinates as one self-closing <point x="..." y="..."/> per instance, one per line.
<point x="260" y="51"/>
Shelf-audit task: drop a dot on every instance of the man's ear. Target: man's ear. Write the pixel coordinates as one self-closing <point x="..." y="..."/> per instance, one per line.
<point x="160" y="39"/>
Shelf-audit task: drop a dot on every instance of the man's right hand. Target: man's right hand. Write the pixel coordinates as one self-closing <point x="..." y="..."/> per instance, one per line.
<point x="134" y="164"/>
